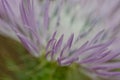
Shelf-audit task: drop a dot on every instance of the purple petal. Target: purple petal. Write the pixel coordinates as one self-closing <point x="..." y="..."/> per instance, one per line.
<point x="29" y="45"/>
<point x="46" y="14"/>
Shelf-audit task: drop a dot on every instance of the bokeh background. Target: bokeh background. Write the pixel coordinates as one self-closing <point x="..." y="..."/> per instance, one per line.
<point x="17" y="64"/>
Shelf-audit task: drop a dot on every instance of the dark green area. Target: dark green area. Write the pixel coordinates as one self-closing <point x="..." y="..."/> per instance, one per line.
<point x="16" y="63"/>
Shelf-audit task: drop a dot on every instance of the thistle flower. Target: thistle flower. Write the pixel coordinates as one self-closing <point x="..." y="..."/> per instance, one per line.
<point x="68" y="32"/>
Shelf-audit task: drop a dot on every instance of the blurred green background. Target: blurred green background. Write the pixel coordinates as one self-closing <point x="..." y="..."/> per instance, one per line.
<point x="16" y="63"/>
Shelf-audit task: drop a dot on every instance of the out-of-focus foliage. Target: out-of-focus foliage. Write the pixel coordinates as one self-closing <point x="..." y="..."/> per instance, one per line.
<point x="17" y="64"/>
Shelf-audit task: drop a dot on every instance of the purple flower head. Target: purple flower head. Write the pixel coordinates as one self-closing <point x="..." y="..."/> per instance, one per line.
<point x="79" y="31"/>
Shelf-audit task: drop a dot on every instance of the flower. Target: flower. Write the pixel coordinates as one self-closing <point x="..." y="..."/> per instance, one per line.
<point x="68" y="31"/>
